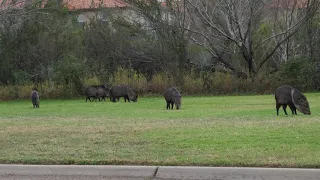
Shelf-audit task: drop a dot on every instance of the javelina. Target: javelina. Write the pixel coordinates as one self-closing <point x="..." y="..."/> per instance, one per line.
<point x="123" y="91"/>
<point x="91" y="92"/>
<point x="35" y="98"/>
<point x="287" y="95"/>
<point x="96" y="92"/>
<point x="102" y="92"/>
<point x="172" y="96"/>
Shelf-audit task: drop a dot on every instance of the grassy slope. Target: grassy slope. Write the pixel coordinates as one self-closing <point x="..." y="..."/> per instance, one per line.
<point x="214" y="131"/>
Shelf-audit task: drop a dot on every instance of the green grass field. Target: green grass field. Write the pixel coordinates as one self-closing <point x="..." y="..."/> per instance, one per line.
<point x="207" y="131"/>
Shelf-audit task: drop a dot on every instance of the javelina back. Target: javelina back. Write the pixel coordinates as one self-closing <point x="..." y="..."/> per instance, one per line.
<point x="123" y="91"/>
<point x="288" y="96"/>
<point x="172" y="96"/>
<point x="35" y="99"/>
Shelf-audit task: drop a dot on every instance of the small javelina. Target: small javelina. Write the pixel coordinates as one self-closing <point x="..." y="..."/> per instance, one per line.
<point x="173" y="96"/>
<point x="123" y="91"/>
<point x="35" y="98"/>
<point x="288" y="96"/>
<point x="95" y="92"/>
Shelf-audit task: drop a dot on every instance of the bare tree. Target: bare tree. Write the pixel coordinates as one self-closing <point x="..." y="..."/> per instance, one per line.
<point x="234" y="26"/>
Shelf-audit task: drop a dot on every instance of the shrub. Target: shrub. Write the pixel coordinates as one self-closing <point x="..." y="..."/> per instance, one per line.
<point x="159" y="83"/>
<point x="130" y="77"/>
<point x="192" y="84"/>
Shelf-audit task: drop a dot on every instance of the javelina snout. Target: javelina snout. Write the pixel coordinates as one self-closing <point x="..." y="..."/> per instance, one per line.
<point x="288" y="96"/>
<point x="172" y="97"/>
<point x="300" y="101"/>
<point x="35" y="98"/>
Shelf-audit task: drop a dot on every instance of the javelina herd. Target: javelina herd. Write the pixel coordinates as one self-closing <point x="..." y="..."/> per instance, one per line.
<point x="284" y="95"/>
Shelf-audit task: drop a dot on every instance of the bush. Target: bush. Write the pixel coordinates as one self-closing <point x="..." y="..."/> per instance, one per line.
<point x="159" y="83"/>
<point x="299" y="72"/>
<point x="192" y="84"/>
<point x="130" y="77"/>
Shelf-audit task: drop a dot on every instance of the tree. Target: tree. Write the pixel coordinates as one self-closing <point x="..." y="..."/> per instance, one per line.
<point x="166" y="25"/>
<point x="234" y="26"/>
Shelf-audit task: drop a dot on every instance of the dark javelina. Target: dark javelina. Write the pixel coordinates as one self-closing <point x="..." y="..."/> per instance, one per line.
<point x="123" y="91"/>
<point x="288" y="96"/>
<point x="173" y="96"/>
<point x="35" y="98"/>
<point x="91" y="92"/>
<point x="102" y="92"/>
<point x="96" y="92"/>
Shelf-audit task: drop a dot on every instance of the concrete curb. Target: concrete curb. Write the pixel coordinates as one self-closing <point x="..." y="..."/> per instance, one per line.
<point x="78" y="170"/>
<point x="162" y="172"/>
<point x="222" y="173"/>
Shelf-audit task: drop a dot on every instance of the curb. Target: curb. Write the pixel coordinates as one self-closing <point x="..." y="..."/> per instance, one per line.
<point x="78" y="170"/>
<point x="162" y="172"/>
<point x="237" y="173"/>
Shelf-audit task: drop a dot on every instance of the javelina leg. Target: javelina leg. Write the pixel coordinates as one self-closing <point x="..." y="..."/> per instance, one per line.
<point x="277" y="107"/>
<point x="171" y="105"/>
<point x="285" y="108"/>
<point x="168" y="105"/>
<point x="293" y="109"/>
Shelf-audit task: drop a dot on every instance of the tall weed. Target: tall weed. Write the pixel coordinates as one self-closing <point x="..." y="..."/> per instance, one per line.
<point x="192" y="84"/>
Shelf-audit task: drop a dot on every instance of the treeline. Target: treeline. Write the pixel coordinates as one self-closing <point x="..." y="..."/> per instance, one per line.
<point x="152" y="47"/>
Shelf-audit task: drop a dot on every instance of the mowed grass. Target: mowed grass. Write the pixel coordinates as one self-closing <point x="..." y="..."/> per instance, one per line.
<point x="207" y="131"/>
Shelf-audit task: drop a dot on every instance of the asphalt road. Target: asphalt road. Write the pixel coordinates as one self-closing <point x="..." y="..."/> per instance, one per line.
<point x="84" y="172"/>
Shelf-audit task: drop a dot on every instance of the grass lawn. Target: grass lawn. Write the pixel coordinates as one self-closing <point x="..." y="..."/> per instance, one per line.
<point x="207" y="131"/>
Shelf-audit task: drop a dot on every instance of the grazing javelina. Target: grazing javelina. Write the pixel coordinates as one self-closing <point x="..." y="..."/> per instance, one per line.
<point x="172" y="96"/>
<point x="287" y="95"/>
<point x="123" y="91"/>
<point x="35" y="98"/>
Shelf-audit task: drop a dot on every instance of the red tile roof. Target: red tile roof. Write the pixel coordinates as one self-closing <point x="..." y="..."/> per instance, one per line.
<point x="71" y="4"/>
<point x="91" y="4"/>
<point x="7" y="3"/>
<point x="288" y="4"/>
